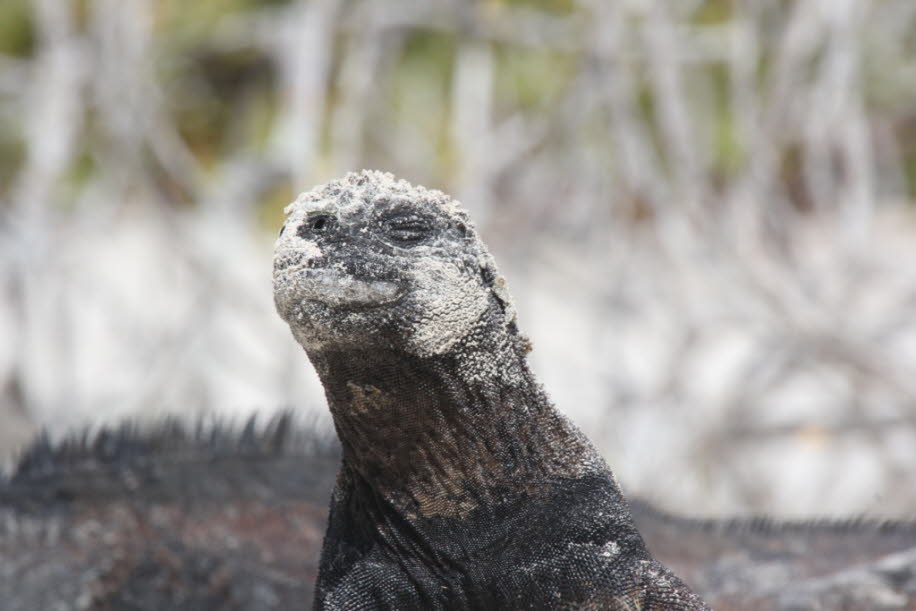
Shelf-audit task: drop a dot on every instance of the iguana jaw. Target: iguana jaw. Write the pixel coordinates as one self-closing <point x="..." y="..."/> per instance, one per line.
<point x="338" y="289"/>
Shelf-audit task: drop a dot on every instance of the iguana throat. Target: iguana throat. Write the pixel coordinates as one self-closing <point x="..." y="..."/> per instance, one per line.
<point x="440" y="436"/>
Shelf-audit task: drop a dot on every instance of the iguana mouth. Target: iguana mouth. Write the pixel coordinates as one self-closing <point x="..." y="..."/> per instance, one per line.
<point x="339" y="289"/>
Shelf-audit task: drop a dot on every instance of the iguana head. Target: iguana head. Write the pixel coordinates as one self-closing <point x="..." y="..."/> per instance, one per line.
<point x="369" y="261"/>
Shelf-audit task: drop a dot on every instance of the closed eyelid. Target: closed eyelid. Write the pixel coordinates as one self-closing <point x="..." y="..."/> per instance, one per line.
<point x="418" y="221"/>
<point x="407" y="213"/>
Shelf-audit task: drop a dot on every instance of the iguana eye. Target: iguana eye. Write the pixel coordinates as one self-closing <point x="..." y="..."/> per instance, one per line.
<point x="408" y="231"/>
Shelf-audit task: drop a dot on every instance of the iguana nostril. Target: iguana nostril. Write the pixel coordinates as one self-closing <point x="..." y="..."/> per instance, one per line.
<point x="315" y="225"/>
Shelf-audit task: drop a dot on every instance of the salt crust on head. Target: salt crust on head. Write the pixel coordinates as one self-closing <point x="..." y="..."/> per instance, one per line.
<point x="349" y="193"/>
<point x="445" y="294"/>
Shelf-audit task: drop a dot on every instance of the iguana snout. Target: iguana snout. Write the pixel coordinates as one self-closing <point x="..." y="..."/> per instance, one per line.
<point x="368" y="260"/>
<point x="321" y="260"/>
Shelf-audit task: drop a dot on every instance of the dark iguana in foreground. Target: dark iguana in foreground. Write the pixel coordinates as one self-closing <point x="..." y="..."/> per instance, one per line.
<point x="171" y="519"/>
<point x="461" y="486"/>
<point x="166" y="519"/>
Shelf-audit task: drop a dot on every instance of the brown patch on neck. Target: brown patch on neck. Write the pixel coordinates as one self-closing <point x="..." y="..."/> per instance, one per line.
<point x="436" y="446"/>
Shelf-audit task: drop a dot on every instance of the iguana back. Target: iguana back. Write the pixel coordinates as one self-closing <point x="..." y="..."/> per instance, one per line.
<point x="171" y="518"/>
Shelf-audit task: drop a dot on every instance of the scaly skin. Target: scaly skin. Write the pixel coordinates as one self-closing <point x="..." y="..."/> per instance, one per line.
<point x="461" y="486"/>
<point x="170" y="519"/>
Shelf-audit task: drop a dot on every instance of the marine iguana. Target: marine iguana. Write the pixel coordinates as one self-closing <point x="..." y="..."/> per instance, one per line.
<point x="461" y="486"/>
<point x="195" y="519"/>
<point x="172" y="518"/>
<point x="167" y="518"/>
<point x="761" y="564"/>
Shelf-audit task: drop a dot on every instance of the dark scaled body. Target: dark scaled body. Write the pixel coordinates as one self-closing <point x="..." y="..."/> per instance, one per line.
<point x="171" y="519"/>
<point x="461" y="485"/>
<point x="166" y="518"/>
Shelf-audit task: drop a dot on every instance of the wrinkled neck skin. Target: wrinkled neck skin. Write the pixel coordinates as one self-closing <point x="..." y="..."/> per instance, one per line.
<point x="444" y="435"/>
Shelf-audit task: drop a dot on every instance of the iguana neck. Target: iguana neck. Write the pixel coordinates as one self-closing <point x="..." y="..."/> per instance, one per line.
<point x="442" y="435"/>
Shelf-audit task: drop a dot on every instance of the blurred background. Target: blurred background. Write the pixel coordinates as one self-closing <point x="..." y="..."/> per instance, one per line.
<point x="704" y="209"/>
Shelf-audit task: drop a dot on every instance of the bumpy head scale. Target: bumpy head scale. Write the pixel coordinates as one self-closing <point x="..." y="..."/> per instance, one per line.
<point x="371" y="261"/>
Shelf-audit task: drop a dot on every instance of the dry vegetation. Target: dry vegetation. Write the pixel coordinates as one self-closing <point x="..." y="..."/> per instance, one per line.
<point x="703" y="208"/>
